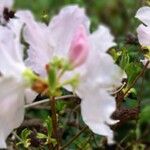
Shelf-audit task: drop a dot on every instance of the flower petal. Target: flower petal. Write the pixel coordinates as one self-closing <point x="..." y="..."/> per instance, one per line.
<point x="11" y="61"/>
<point x="30" y="95"/>
<point x="12" y="107"/>
<point x="96" y="108"/>
<point x="144" y="35"/>
<point x="64" y="25"/>
<point x="79" y="48"/>
<point x="143" y="14"/>
<point x="38" y="37"/>
<point x="6" y="3"/>
<point x="101" y="39"/>
<point x="99" y="69"/>
<point x="101" y="72"/>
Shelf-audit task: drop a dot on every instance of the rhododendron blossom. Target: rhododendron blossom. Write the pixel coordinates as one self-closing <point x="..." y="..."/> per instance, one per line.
<point x="143" y="30"/>
<point x="68" y="36"/>
<point x="13" y="80"/>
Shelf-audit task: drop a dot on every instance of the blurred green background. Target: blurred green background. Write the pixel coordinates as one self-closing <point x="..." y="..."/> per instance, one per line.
<point x="118" y="14"/>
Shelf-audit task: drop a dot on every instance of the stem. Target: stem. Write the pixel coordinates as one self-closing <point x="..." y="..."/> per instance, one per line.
<point x="54" y="121"/>
<point x="141" y="91"/>
<point x="47" y="100"/>
<point x="75" y="137"/>
<point x="139" y="75"/>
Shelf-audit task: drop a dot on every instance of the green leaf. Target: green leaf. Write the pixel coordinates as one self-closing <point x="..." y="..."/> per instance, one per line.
<point x="41" y="136"/>
<point x="48" y="125"/>
<point x="53" y="141"/>
<point x="25" y="141"/>
<point x="124" y="59"/>
<point x="115" y="54"/>
<point x="132" y="69"/>
<point x="145" y="114"/>
<point x="25" y="133"/>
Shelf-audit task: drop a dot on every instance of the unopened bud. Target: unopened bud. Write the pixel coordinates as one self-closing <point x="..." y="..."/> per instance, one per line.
<point x="79" y="47"/>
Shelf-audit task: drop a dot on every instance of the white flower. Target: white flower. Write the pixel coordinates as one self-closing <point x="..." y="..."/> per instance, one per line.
<point x="53" y="40"/>
<point x="11" y="62"/>
<point x="143" y="30"/>
<point x="98" y="74"/>
<point x="12" y="82"/>
<point x="101" y="75"/>
<point x="12" y="106"/>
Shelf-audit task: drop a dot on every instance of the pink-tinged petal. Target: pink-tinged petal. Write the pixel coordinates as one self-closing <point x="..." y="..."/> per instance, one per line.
<point x="11" y="61"/>
<point x="101" y="72"/>
<point x="144" y="35"/>
<point x="12" y="107"/>
<point x="30" y="95"/>
<point x="102" y="39"/>
<point x="97" y="107"/>
<point x="143" y="14"/>
<point x="64" y="25"/>
<point x="79" y="48"/>
<point x="41" y="45"/>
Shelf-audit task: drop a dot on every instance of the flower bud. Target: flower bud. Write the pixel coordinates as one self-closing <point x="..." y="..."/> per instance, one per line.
<point x="79" y="47"/>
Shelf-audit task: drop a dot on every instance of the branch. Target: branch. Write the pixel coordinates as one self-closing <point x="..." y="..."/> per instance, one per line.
<point x="47" y="100"/>
<point x="54" y="121"/>
<point x="139" y="75"/>
<point x="75" y="137"/>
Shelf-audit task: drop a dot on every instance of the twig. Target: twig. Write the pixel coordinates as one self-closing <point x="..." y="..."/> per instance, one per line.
<point x="47" y="100"/>
<point x="141" y="90"/>
<point x="16" y="136"/>
<point x="139" y="75"/>
<point x="54" y="120"/>
<point x="75" y="137"/>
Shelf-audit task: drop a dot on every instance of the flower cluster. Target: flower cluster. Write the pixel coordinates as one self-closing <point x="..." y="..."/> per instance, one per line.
<point x="62" y="54"/>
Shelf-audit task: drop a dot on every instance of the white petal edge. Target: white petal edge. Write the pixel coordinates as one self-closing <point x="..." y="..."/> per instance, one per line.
<point x="6" y="3"/>
<point x="12" y="107"/>
<point x="96" y="109"/>
<point x="143" y="14"/>
<point x="41" y="45"/>
<point x="11" y="61"/>
<point x="30" y="95"/>
<point x="64" y="25"/>
<point x="102" y="39"/>
<point x="143" y="33"/>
